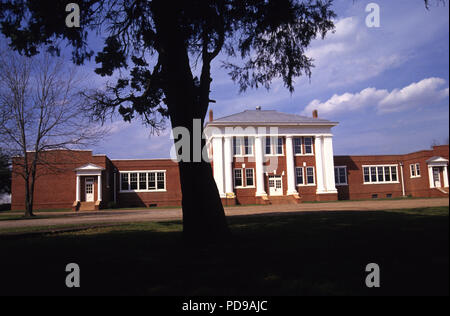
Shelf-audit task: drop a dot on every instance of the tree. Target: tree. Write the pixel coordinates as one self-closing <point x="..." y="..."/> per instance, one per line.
<point x="5" y="173"/>
<point x="157" y="46"/>
<point x="40" y="110"/>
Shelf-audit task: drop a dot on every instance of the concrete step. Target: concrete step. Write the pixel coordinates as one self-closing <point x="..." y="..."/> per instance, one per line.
<point x="87" y="206"/>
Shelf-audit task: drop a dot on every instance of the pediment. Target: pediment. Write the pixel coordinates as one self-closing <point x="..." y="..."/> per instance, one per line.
<point x="437" y="160"/>
<point x="89" y="167"/>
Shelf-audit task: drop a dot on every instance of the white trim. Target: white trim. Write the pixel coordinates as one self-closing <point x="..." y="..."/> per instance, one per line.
<point x="383" y="166"/>
<point x="146" y="181"/>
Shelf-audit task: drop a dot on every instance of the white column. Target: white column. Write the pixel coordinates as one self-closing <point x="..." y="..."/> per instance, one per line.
<point x="218" y="164"/>
<point x="319" y="164"/>
<point x="78" y="189"/>
<point x="445" y="176"/>
<point x="228" y="160"/>
<point x="430" y="176"/>
<point x="328" y="161"/>
<point x="100" y="187"/>
<point x="259" y="166"/>
<point x="290" y="166"/>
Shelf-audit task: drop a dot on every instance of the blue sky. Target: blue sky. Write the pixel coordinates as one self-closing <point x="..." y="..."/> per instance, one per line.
<point x="387" y="87"/>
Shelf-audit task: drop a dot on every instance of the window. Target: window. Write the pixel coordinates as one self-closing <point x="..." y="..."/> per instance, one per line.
<point x="380" y="174"/>
<point x="280" y="146"/>
<point x="151" y="181"/>
<point x="268" y="146"/>
<point x="394" y="173"/>
<point x="143" y="181"/>
<point x="415" y="170"/>
<point x="236" y="146"/>
<point x="161" y="181"/>
<point x="374" y="196"/>
<point x="124" y="182"/>
<point x="387" y="174"/>
<point x="248" y="146"/>
<point x="274" y="145"/>
<point x="133" y="181"/>
<point x="249" y="180"/>
<point x="310" y="175"/>
<point x="299" y="175"/>
<point x="297" y="145"/>
<point x="366" y="174"/>
<point x="237" y="177"/>
<point x="340" y="175"/>
<point x="308" y="145"/>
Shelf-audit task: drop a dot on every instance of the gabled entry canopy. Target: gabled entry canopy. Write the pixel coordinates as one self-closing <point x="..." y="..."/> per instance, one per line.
<point x="437" y="161"/>
<point x="89" y="169"/>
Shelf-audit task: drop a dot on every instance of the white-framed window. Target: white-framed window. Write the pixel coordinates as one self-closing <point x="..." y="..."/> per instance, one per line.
<point x="243" y="146"/>
<point x="415" y="170"/>
<point x="298" y="146"/>
<point x="308" y="145"/>
<point x="248" y="146"/>
<point x="238" y="178"/>
<point x="380" y="174"/>
<point x="237" y="150"/>
<point x="274" y="146"/>
<point x="340" y="175"/>
<point x="142" y="181"/>
<point x="299" y="176"/>
<point x="279" y="146"/>
<point x="249" y="177"/>
<point x="240" y="181"/>
<point x="268" y="145"/>
<point x="310" y="175"/>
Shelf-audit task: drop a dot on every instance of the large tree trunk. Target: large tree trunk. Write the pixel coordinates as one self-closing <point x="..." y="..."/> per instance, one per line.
<point x="28" y="199"/>
<point x="203" y="213"/>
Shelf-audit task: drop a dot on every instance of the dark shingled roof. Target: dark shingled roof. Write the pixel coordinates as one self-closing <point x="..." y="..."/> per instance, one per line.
<point x="269" y="117"/>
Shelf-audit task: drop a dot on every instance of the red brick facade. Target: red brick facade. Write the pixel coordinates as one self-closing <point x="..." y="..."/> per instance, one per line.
<point x="56" y="180"/>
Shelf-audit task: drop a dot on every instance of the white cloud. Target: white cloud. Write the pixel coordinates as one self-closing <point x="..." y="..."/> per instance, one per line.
<point x="425" y="92"/>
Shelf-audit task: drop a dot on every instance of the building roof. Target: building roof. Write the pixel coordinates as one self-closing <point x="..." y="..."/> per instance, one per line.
<point x="268" y="117"/>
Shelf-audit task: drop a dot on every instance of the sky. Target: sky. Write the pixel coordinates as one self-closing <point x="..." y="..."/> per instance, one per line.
<point x="387" y="86"/>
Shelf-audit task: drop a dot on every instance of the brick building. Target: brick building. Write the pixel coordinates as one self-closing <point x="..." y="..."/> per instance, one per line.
<point x="258" y="157"/>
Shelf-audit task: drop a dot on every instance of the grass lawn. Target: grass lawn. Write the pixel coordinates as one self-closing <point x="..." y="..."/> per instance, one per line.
<point x="317" y="253"/>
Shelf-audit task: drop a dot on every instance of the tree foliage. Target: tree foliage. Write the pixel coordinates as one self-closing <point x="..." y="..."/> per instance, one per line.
<point x="264" y="40"/>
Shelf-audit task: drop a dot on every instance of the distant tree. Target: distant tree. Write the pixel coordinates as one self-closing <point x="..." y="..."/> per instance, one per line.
<point x="40" y="110"/>
<point x="5" y="173"/>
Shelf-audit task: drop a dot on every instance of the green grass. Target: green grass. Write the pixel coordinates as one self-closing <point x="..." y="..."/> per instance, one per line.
<point x="316" y="253"/>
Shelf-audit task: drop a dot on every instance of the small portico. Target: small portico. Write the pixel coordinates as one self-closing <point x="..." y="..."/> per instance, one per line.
<point x="437" y="172"/>
<point x="86" y="192"/>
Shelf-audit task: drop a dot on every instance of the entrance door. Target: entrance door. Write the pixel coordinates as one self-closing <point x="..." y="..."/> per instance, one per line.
<point x="275" y="185"/>
<point x="89" y="189"/>
<point x="437" y="177"/>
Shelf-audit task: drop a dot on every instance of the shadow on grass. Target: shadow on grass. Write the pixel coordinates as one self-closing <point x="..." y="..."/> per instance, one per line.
<point x="317" y="253"/>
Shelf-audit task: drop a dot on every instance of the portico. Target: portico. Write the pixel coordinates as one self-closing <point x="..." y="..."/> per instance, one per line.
<point x="89" y="184"/>
<point x="437" y="172"/>
<point x="284" y="154"/>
